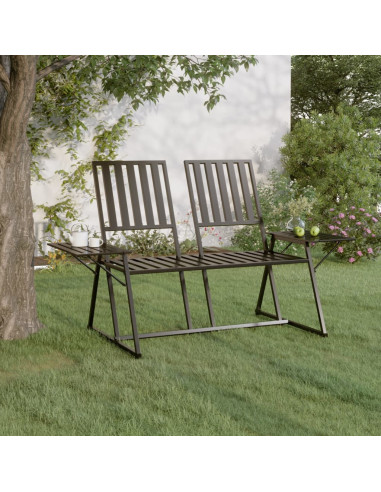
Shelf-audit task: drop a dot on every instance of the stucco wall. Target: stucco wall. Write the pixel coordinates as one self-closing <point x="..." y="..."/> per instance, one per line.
<point x="248" y="124"/>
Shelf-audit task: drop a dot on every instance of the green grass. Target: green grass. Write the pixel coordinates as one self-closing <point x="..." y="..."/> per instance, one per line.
<point x="277" y="380"/>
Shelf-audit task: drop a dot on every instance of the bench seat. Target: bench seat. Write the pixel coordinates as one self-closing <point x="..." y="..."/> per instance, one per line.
<point x="188" y="262"/>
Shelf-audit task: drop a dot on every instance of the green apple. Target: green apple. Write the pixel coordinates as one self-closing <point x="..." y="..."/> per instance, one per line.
<point x="299" y="231"/>
<point x="314" y="231"/>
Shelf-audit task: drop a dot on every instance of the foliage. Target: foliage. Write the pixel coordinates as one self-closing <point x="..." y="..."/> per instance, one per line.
<point x="57" y="260"/>
<point x="300" y="207"/>
<point x="339" y="155"/>
<point x="150" y="243"/>
<point x="58" y="216"/>
<point x="356" y="222"/>
<point x="188" y="245"/>
<point x="67" y="99"/>
<point x="322" y="83"/>
<point x="279" y="197"/>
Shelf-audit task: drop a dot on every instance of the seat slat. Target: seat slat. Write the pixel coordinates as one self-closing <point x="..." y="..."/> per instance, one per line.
<point x="141" y="262"/>
<point x="220" y="258"/>
<point x="236" y="258"/>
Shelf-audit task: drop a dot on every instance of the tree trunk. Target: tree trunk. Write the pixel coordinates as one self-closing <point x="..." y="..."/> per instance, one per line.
<point x="18" y="314"/>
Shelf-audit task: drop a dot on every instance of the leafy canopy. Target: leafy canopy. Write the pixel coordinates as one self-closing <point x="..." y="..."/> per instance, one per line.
<point x="323" y="82"/>
<point x="67" y="99"/>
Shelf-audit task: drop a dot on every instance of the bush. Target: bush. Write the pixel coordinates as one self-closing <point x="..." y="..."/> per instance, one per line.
<point x="339" y="155"/>
<point x="356" y="222"/>
<point x="280" y="198"/>
<point x="150" y="243"/>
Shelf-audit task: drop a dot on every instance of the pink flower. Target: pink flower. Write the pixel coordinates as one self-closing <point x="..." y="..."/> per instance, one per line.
<point x="362" y="209"/>
<point x="353" y="208"/>
<point x="331" y="209"/>
<point x="368" y="230"/>
<point x="373" y="235"/>
<point x="370" y="251"/>
<point x="338" y="222"/>
<point x="368" y="215"/>
<point x="352" y="217"/>
<point x="374" y="219"/>
<point x="340" y="249"/>
<point x="344" y="233"/>
<point x="341" y="215"/>
<point x="358" y="223"/>
<point x="331" y="227"/>
<point x="359" y="253"/>
<point x="351" y="260"/>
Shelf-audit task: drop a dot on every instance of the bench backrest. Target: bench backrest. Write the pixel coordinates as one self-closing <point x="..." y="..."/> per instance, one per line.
<point x="221" y="193"/>
<point x="134" y="195"/>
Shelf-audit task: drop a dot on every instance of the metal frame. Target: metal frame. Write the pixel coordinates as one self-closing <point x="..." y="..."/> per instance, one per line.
<point x="222" y="191"/>
<point x="305" y="241"/>
<point x="217" y="208"/>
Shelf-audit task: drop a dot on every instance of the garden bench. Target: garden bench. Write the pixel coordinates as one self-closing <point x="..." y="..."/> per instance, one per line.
<point x="135" y="195"/>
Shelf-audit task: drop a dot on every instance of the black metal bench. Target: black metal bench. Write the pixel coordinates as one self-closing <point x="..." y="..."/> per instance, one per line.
<point x="135" y="195"/>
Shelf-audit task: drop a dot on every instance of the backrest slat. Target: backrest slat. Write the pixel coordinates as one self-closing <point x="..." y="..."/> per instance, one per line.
<point x="134" y="196"/>
<point x="146" y="196"/>
<point x="235" y="193"/>
<point x="212" y="192"/>
<point x="158" y="194"/>
<point x="201" y="193"/>
<point x="120" y="185"/>
<point x="246" y="192"/>
<point x="224" y="193"/>
<point x="109" y="197"/>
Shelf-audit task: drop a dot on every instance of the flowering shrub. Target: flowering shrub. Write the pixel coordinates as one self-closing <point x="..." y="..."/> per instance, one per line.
<point x="358" y="223"/>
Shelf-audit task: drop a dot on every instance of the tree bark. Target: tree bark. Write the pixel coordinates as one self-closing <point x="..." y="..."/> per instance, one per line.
<point x="18" y="313"/>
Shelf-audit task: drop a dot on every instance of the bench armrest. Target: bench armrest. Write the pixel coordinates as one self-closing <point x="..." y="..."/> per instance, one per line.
<point x="104" y="250"/>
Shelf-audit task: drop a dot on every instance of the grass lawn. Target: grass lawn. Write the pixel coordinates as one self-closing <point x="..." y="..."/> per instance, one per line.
<point x="277" y="380"/>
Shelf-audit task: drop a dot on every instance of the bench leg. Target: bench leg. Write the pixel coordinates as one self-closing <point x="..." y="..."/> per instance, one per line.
<point x="94" y="296"/>
<point x="112" y="304"/>
<point x="268" y="273"/>
<point x="130" y="297"/>
<point x="185" y="300"/>
<point x="208" y="298"/>
<point x="315" y="290"/>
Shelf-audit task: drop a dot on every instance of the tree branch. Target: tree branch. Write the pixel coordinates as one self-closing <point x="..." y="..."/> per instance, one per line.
<point x="56" y="66"/>
<point x="4" y="79"/>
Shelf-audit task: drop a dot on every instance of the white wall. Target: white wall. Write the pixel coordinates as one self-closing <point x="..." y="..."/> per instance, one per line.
<point x="249" y="124"/>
